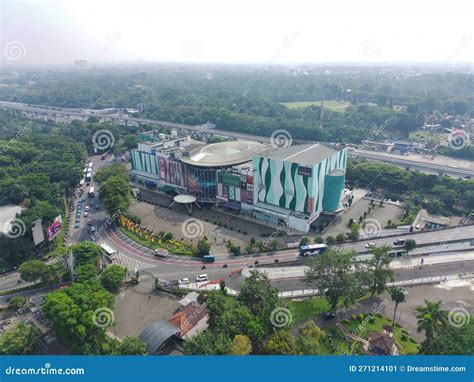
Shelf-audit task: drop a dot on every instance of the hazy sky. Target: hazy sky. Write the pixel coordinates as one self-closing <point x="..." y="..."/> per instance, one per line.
<point x="286" y="31"/>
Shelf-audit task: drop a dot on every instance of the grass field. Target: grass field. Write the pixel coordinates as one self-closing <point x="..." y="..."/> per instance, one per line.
<point x="424" y="136"/>
<point x="329" y="104"/>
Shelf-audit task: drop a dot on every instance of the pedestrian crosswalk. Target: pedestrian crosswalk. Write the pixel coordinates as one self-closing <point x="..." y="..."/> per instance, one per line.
<point x="130" y="263"/>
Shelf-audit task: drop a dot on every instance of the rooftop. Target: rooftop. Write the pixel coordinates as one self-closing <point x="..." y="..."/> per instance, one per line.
<point x="187" y="317"/>
<point x="223" y="154"/>
<point x="308" y="154"/>
<point x="157" y="334"/>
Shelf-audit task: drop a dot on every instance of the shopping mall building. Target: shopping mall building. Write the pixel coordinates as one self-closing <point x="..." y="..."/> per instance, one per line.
<point x="287" y="187"/>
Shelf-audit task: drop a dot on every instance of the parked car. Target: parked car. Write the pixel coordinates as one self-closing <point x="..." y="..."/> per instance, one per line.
<point x="329" y="316"/>
<point x="77" y="225"/>
<point x="89" y="222"/>
<point x="87" y="208"/>
<point x="202" y="277"/>
<point x="86" y="214"/>
<point x="97" y="206"/>
<point x="92" y="229"/>
<point x="184" y="280"/>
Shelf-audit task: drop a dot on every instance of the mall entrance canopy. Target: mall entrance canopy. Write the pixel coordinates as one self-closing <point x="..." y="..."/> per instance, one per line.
<point x="187" y="200"/>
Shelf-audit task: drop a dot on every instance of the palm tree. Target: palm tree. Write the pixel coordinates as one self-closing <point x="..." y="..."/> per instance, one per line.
<point x="398" y="296"/>
<point x="431" y="319"/>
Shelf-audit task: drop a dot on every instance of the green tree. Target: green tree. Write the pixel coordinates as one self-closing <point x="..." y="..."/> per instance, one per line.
<point x="33" y="270"/>
<point x="310" y="339"/>
<point x="208" y="343"/>
<point x="86" y="252"/>
<point x="112" y="277"/>
<point x="337" y="275"/>
<point x="378" y="268"/>
<point x="318" y="240"/>
<point x="115" y="194"/>
<point x="203" y="248"/>
<point x="105" y="172"/>
<point x="304" y="240"/>
<point x="281" y="343"/>
<point x="79" y="315"/>
<point x="398" y="296"/>
<point x="241" y="345"/>
<point x="432" y="320"/>
<point x="132" y="346"/>
<point x="410" y="245"/>
<point x="340" y="238"/>
<point x="453" y="340"/>
<point x="20" y="340"/>
<point x="330" y="240"/>
<point x="259" y="296"/>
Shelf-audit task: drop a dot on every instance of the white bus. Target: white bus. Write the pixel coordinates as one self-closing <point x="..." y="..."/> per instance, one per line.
<point x="312" y="249"/>
<point x="91" y="192"/>
<point x="81" y="183"/>
<point x="109" y="252"/>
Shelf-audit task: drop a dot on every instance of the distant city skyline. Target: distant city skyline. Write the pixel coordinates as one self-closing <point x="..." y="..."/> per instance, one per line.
<point x="43" y="33"/>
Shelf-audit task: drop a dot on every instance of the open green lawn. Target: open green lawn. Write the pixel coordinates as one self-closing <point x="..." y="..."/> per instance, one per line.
<point x="364" y="327"/>
<point x="423" y="136"/>
<point x="329" y="104"/>
<point x="308" y="308"/>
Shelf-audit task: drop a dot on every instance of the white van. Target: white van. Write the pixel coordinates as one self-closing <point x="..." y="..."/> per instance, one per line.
<point x="202" y="277"/>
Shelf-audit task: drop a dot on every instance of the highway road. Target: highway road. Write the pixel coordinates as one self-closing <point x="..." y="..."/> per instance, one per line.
<point x="414" y="164"/>
<point x="401" y="161"/>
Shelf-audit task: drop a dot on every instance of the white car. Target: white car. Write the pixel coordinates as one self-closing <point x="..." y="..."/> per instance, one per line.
<point x="87" y="208"/>
<point x="184" y="280"/>
<point x="202" y="277"/>
<point x="369" y="245"/>
<point x="86" y="214"/>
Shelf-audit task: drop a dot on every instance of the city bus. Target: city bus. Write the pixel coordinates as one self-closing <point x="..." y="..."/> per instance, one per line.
<point x="89" y="176"/>
<point x="208" y="259"/>
<point x="109" y="252"/>
<point x="90" y="194"/>
<point x="81" y="183"/>
<point x="312" y="249"/>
